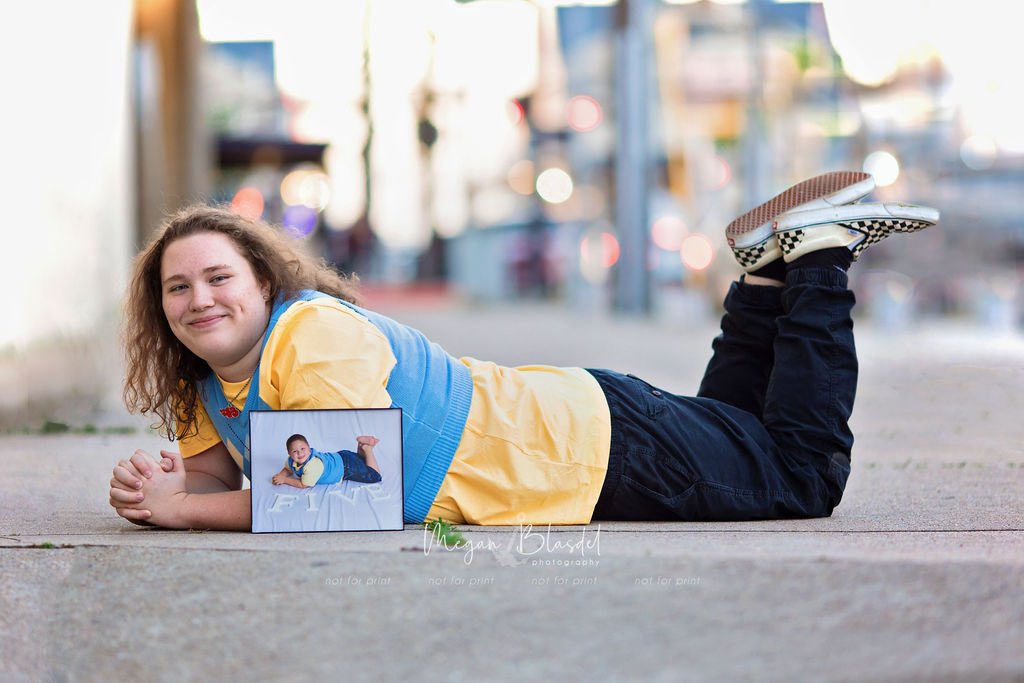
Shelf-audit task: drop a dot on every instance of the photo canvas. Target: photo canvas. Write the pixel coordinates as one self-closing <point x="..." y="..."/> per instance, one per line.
<point x="326" y="470"/>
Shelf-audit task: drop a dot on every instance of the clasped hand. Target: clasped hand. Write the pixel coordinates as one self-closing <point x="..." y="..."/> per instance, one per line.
<point x="146" y="491"/>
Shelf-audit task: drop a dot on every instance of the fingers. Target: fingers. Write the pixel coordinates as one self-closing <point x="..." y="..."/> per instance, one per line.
<point x="126" y="484"/>
<point x="117" y="484"/>
<point x="134" y="515"/>
<point x="173" y="459"/>
<point x="143" y="462"/>
<point x="126" y="475"/>
<point x="120" y="497"/>
<point x="132" y="471"/>
<point x="126" y="503"/>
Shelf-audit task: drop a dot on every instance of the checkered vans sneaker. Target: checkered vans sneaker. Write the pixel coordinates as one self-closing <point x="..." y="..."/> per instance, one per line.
<point x="750" y="236"/>
<point x="855" y="226"/>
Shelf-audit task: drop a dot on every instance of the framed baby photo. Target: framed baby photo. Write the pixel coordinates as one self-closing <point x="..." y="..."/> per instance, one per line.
<point x="326" y="470"/>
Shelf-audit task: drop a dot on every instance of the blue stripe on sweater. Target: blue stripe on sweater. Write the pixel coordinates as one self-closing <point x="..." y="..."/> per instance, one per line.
<point x="433" y="389"/>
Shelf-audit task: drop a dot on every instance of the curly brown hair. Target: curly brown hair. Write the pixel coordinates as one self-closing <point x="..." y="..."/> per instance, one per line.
<point x="161" y="372"/>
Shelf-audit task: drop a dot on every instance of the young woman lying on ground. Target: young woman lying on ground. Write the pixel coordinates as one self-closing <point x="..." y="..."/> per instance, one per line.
<point x="225" y="316"/>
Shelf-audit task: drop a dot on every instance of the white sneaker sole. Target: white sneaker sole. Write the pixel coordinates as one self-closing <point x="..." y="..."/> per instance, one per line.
<point x="751" y="236"/>
<point x="855" y="226"/>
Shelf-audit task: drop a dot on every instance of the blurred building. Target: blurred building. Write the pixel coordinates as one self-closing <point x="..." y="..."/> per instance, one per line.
<point x="67" y="186"/>
<point x="475" y="144"/>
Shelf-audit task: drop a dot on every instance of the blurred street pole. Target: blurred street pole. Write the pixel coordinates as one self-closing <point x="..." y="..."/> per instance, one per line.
<point x="754" y="166"/>
<point x="633" y="35"/>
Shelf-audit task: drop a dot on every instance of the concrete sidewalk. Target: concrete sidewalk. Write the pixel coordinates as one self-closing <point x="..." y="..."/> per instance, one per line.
<point x="918" y="576"/>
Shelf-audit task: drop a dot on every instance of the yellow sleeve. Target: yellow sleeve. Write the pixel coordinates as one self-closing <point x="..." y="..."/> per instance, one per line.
<point x="205" y="438"/>
<point x="325" y="355"/>
<point x="314" y="470"/>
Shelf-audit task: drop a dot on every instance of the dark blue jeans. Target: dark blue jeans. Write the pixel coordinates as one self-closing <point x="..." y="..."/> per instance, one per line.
<point x="766" y="437"/>
<point x="357" y="470"/>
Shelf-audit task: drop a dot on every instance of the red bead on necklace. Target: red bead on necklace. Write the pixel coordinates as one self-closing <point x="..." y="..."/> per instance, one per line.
<point x="231" y="411"/>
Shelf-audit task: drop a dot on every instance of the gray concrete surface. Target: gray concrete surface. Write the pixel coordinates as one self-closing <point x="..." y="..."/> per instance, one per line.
<point x="918" y="576"/>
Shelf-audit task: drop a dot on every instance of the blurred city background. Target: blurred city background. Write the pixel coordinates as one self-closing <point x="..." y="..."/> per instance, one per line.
<point x="585" y="154"/>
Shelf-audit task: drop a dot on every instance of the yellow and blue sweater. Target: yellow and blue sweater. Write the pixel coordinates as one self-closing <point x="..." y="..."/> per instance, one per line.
<point x="319" y="468"/>
<point x="482" y="443"/>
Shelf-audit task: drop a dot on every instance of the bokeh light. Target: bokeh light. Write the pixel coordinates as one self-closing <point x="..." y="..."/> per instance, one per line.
<point x="520" y="177"/>
<point x="299" y="221"/>
<point x="248" y="203"/>
<point x="584" y="113"/>
<point x="599" y="251"/>
<point x="667" y="232"/>
<point x="978" y="152"/>
<point x="883" y="166"/>
<point x="554" y="185"/>
<point x="723" y="173"/>
<point x="697" y="252"/>
<point x="516" y="112"/>
<point x="875" y="61"/>
<point x="306" y="187"/>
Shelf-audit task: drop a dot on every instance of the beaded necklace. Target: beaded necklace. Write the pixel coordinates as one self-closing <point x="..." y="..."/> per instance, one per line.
<point x="231" y="412"/>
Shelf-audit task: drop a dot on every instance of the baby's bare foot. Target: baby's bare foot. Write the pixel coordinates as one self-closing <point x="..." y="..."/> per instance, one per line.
<point x="367" y="440"/>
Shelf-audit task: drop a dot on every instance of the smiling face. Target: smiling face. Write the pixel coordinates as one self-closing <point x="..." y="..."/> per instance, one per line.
<point x="299" y="451"/>
<point x="214" y="303"/>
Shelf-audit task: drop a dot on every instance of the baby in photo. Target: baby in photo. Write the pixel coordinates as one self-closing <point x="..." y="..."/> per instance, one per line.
<point x="307" y="466"/>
